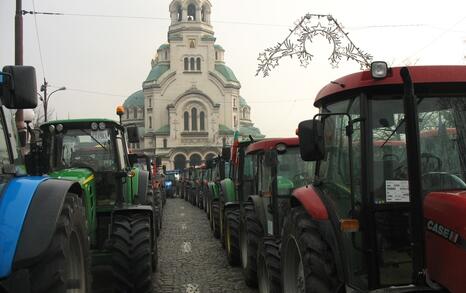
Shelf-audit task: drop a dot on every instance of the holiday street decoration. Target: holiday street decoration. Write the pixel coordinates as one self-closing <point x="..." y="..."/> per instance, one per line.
<point x="306" y="29"/>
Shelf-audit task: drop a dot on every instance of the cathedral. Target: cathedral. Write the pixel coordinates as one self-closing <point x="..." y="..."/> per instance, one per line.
<point x="190" y="103"/>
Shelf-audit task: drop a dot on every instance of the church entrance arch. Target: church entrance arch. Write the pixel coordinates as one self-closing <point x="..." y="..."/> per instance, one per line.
<point x="180" y="162"/>
<point x="195" y="160"/>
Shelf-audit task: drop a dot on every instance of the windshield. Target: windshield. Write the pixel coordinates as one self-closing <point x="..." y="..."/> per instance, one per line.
<point x="82" y="148"/>
<point x="292" y="171"/>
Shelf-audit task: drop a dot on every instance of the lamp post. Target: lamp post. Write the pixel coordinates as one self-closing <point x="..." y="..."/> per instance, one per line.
<point x="45" y="99"/>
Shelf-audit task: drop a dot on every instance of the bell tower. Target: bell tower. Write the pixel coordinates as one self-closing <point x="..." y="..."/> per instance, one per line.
<point x="189" y="16"/>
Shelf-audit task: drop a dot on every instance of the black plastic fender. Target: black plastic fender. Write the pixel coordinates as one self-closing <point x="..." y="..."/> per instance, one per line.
<point x="41" y="220"/>
<point x="143" y="184"/>
<point x="260" y="210"/>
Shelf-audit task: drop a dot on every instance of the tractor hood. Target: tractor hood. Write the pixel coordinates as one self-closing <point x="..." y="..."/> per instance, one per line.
<point x="81" y="175"/>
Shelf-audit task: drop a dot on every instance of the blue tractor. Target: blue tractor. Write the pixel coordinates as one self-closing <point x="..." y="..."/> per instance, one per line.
<point x="44" y="245"/>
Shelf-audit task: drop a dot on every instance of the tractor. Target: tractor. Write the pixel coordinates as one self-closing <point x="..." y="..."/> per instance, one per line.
<point x="277" y="170"/>
<point x="43" y="231"/>
<point x="120" y="210"/>
<point x="385" y="212"/>
<point x="211" y="195"/>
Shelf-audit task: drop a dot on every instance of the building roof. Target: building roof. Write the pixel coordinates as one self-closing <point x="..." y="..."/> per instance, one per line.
<point x="250" y="130"/>
<point x="223" y="129"/>
<point x="164" y="130"/>
<point x="163" y="46"/>
<point x="218" y="47"/>
<point x="226" y="72"/>
<point x="157" y="71"/>
<point x="242" y="102"/>
<point x="208" y="38"/>
<point x="135" y="100"/>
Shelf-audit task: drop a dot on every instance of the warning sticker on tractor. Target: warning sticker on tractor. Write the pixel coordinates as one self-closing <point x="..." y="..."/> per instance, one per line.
<point x="397" y="190"/>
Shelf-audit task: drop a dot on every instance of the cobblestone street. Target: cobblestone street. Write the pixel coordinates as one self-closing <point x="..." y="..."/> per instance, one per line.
<point x="190" y="258"/>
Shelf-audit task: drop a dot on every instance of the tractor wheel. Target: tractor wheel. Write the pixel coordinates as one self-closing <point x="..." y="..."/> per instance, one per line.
<point x="216" y="218"/>
<point x="232" y="236"/>
<point x="268" y="266"/>
<point x="307" y="260"/>
<point x="251" y="233"/>
<point x="65" y="266"/>
<point x="132" y="259"/>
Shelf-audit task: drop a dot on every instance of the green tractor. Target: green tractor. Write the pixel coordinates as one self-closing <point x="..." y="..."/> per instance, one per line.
<point x="122" y="221"/>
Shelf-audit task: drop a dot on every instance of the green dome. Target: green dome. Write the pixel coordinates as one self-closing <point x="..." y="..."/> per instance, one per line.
<point x="226" y="72"/>
<point x="218" y="47"/>
<point x="157" y="71"/>
<point x="242" y="102"/>
<point x="163" y="46"/>
<point x="135" y="100"/>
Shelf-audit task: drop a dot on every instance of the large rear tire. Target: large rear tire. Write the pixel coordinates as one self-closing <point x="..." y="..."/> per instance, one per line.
<point x="65" y="266"/>
<point x="307" y="260"/>
<point x="232" y="236"/>
<point x="268" y="266"/>
<point x="251" y="233"/>
<point x="132" y="258"/>
<point x="216" y="218"/>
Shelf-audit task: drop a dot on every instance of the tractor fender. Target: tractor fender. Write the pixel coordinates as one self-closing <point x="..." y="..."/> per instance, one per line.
<point x="13" y="212"/>
<point x="143" y="186"/>
<point x="322" y="211"/>
<point x="41" y="219"/>
<point x="259" y="208"/>
<point x="228" y="189"/>
<point x="230" y="205"/>
<point x="311" y="201"/>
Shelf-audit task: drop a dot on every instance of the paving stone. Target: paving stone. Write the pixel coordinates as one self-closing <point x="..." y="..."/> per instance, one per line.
<point x="191" y="259"/>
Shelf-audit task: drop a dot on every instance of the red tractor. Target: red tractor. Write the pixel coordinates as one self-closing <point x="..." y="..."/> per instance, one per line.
<point x="277" y="170"/>
<point x="392" y="222"/>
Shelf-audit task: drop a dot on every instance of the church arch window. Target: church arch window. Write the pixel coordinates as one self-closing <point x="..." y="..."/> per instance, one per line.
<point x="195" y="160"/>
<point x="150" y="102"/>
<point x="202" y="120"/>
<point x="186" y="63"/>
<point x="198" y="64"/>
<point x="235" y="121"/>
<point x="192" y="61"/>
<point x="180" y="161"/>
<point x="127" y="113"/>
<point x="191" y="12"/>
<point x="203" y="14"/>
<point x="150" y="121"/>
<point x="165" y="143"/>
<point x="194" y="119"/>
<point x="179" y="13"/>
<point x="135" y="115"/>
<point x="166" y="55"/>
<point x="186" y="120"/>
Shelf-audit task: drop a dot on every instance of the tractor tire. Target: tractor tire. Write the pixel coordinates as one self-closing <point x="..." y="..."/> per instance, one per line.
<point x="132" y="260"/>
<point x="307" y="261"/>
<point x="268" y="266"/>
<point x="232" y="236"/>
<point x="251" y="234"/>
<point x="66" y="263"/>
<point x="216" y="218"/>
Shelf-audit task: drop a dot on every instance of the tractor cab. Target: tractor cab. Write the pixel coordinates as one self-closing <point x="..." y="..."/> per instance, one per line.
<point x="391" y="150"/>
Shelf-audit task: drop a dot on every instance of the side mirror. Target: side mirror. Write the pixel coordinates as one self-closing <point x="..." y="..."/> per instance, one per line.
<point x="311" y="140"/>
<point x="270" y="158"/>
<point x="133" y="159"/>
<point x="226" y="154"/>
<point x="133" y="134"/>
<point x="19" y="87"/>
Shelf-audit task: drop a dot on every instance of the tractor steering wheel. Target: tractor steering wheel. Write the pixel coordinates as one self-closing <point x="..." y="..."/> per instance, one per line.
<point x="427" y="160"/>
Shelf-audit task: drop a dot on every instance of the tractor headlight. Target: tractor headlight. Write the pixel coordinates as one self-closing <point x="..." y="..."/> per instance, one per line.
<point x="59" y="127"/>
<point x="52" y="128"/>
<point x="379" y="69"/>
<point x="281" y="147"/>
<point x="168" y="183"/>
<point x="94" y="126"/>
<point x="101" y="125"/>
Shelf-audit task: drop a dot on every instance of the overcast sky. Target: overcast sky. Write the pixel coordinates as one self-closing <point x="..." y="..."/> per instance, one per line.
<point x="112" y="55"/>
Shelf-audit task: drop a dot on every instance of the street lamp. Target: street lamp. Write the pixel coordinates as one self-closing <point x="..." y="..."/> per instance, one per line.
<point x="46" y="98"/>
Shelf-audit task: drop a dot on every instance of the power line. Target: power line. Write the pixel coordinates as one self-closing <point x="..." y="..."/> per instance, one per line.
<point x="38" y="40"/>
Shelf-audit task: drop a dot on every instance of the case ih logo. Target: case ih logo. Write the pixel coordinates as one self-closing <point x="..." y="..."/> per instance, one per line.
<point x="442" y="231"/>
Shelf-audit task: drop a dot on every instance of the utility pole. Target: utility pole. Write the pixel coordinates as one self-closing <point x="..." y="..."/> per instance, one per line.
<point x="19" y="117"/>
<point x="43" y="88"/>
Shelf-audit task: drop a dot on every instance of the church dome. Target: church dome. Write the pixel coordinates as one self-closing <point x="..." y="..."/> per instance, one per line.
<point x="157" y="71"/>
<point x="226" y="72"/>
<point x="135" y="100"/>
<point x="242" y="102"/>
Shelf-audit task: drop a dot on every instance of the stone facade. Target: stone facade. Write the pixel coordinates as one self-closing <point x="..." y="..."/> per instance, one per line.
<point x="192" y="103"/>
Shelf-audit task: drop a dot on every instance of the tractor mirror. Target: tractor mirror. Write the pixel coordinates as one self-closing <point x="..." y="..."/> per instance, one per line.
<point x="133" y="134"/>
<point x="270" y="158"/>
<point x="18" y="87"/>
<point x="226" y="153"/>
<point x="311" y="140"/>
<point x="133" y="159"/>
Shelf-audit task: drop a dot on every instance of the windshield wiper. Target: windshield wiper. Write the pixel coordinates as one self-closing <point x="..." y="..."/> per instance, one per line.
<point x="95" y="139"/>
<point x="393" y="132"/>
